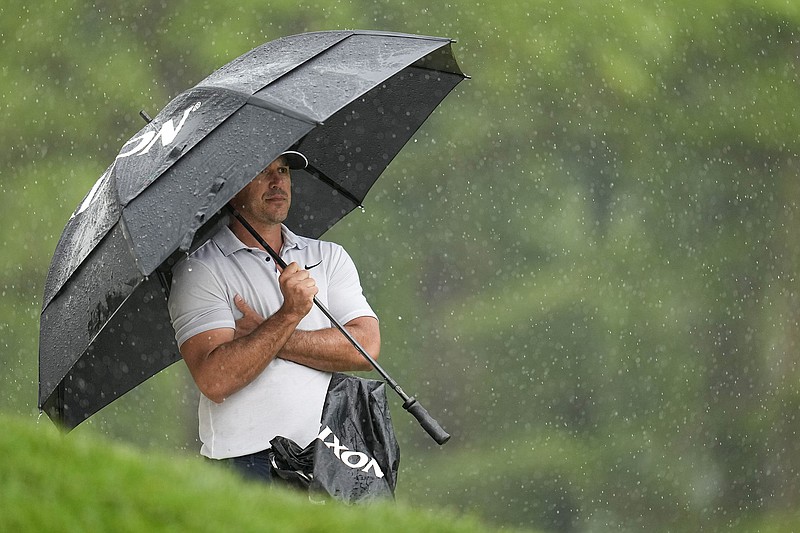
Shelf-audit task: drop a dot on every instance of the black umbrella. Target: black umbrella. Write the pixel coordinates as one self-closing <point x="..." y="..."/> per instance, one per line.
<point x="348" y="100"/>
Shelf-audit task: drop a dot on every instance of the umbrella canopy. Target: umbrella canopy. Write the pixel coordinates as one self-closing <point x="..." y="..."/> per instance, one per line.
<point x="348" y="100"/>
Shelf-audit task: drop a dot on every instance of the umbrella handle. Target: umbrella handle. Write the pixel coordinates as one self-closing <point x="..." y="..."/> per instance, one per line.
<point x="427" y="422"/>
<point x="410" y="404"/>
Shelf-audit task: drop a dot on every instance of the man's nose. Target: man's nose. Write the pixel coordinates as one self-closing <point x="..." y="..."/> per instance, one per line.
<point x="274" y="179"/>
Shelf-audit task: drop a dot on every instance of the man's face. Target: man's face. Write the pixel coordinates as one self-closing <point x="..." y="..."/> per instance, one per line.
<point x="267" y="198"/>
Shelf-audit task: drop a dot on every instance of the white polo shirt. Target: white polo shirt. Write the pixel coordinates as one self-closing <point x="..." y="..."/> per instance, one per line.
<point x="286" y="398"/>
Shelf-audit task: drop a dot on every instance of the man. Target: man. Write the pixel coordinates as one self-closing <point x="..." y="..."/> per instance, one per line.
<point x="262" y="378"/>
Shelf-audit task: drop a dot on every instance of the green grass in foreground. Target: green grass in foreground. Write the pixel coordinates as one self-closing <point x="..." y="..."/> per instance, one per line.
<point x="55" y="482"/>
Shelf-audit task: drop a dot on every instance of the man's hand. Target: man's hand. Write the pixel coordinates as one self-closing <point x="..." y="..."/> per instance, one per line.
<point x="298" y="289"/>
<point x="326" y="349"/>
<point x="250" y="318"/>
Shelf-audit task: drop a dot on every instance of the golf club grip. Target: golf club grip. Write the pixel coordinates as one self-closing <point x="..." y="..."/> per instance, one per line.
<point x="427" y="422"/>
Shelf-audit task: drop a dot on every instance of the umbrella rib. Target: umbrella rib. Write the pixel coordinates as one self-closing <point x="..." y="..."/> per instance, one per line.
<point x="277" y="108"/>
<point x="431" y="69"/>
<point x="317" y="173"/>
<point x="263" y="103"/>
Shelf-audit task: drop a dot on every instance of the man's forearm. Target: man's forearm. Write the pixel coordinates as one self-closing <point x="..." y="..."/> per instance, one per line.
<point x="234" y="364"/>
<point x="328" y="349"/>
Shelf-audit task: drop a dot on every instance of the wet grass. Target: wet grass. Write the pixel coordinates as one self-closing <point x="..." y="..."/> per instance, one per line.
<point x="50" y="481"/>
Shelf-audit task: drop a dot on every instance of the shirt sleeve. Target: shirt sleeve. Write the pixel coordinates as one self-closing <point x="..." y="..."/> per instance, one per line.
<point x="346" y="299"/>
<point x="198" y="301"/>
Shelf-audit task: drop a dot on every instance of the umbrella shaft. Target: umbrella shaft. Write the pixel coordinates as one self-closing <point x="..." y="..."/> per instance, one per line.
<point x="281" y="263"/>
<point x="361" y="350"/>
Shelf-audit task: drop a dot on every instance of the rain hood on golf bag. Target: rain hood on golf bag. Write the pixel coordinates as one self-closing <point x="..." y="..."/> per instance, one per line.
<point x="355" y="457"/>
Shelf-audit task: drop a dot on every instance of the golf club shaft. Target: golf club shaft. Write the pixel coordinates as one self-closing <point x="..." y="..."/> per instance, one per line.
<point x="410" y="404"/>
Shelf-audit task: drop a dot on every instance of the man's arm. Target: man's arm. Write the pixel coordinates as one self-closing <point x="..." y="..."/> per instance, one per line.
<point x="329" y="350"/>
<point x="223" y="362"/>
<point x="324" y="349"/>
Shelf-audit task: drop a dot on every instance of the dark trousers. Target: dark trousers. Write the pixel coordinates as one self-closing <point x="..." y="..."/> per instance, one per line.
<point x="254" y="467"/>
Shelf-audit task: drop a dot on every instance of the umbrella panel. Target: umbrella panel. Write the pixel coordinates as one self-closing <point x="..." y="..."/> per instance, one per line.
<point x="354" y="146"/>
<point x="96" y="290"/>
<point x="141" y="327"/>
<point x="261" y="66"/>
<point x="92" y="220"/>
<point x="333" y="79"/>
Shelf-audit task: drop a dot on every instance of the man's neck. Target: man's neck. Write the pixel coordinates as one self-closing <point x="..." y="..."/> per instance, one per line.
<point x="270" y="233"/>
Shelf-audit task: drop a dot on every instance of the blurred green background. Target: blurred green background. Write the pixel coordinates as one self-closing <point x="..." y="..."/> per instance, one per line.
<point x="583" y="261"/>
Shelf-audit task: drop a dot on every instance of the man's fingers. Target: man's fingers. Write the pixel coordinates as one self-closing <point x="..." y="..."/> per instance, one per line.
<point x="241" y="305"/>
<point x="250" y="319"/>
<point x="298" y="288"/>
<point x="302" y="279"/>
<point x="294" y="276"/>
<point x="244" y="307"/>
<point x="291" y="268"/>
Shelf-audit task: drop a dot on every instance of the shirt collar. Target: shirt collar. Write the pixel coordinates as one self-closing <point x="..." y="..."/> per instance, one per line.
<point x="290" y="240"/>
<point x="229" y="243"/>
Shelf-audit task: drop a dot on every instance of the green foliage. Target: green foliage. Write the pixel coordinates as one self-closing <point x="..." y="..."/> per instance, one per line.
<point x="584" y="262"/>
<point x="53" y="482"/>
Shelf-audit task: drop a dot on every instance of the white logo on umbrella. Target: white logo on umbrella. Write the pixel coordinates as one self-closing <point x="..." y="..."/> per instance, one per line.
<point x="167" y="134"/>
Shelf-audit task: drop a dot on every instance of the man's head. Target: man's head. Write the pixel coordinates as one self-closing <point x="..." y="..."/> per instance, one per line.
<point x="266" y="199"/>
